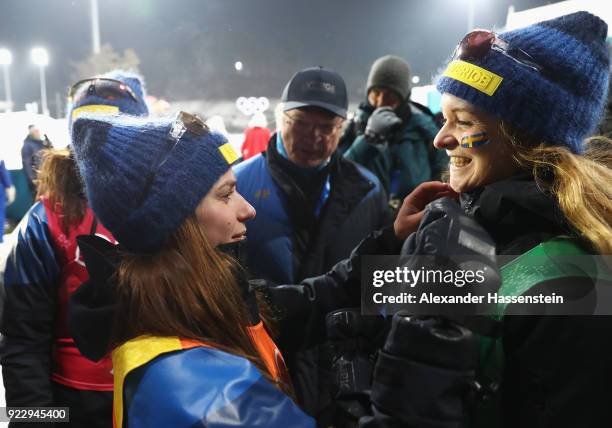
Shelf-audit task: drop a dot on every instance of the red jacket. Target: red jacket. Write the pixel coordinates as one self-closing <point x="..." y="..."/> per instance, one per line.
<point x="255" y="141"/>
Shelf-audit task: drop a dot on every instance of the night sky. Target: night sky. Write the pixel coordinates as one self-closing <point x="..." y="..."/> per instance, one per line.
<point x="187" y="48"/>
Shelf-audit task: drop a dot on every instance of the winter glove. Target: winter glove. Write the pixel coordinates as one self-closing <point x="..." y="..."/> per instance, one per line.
<point x="448" y="239"/>
<point x="381" y="125"/>
<point x="10" y="194"/>
<point x="446" y="230"/>
<point x="424" y="375"/>
<point x="354" y="341"/>
<point x="92" y="306"/>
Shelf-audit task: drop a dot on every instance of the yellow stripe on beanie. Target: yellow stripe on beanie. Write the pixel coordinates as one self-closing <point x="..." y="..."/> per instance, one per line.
<point x="100" y="109"/>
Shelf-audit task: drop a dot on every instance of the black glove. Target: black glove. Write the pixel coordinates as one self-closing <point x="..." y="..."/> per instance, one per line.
<point x="383" y="122"/>
<point x="92" y="306"/>
<point x="354" y="342"/>
<point x="446" y="230"/>
<point x="425" y="374"/>
<point x="448" y="239"/>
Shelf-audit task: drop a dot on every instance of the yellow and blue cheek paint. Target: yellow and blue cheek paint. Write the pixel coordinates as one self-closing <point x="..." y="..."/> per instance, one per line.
<point x="474" y="140"/>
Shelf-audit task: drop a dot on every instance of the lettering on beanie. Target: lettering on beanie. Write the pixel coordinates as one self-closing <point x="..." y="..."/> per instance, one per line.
<point x="228" y="152"/>
<point x="478" y="78"/>
<point x="474" y="140"/>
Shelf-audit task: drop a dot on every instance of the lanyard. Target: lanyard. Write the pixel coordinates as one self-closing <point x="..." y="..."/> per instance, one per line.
<point x="324" y="196"/>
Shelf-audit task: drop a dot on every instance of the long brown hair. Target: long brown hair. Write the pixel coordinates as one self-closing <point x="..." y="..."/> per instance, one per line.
<point x="187" y="289"/>
<point x="58" y="179"/>
<point x="580" y="184"/>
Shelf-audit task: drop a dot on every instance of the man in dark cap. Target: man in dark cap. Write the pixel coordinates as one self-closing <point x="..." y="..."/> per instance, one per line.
<point x="313" y="206"/>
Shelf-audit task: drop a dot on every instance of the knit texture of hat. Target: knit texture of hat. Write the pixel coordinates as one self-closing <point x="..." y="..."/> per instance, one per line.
<point x="564" y="102"/>
<point x="126" y="105"/>
<point x="390" y="72"/>
<point x="115" y="155"/>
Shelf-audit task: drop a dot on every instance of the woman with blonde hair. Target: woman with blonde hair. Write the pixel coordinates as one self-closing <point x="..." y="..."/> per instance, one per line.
<point x="517" y="108"/>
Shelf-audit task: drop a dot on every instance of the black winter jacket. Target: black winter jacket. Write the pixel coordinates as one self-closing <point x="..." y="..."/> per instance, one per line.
<point x="557" y="370"/>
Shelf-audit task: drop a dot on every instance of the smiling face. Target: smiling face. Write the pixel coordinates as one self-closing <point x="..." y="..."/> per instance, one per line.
<point x="489" y="158"/>
<point x="223" y="211"/>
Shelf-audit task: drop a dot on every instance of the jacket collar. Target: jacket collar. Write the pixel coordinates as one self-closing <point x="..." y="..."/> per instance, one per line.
<point x="515" y="207"/>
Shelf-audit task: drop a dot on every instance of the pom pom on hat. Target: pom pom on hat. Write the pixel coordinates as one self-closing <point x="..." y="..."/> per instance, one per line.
<point x="125" y="105"/>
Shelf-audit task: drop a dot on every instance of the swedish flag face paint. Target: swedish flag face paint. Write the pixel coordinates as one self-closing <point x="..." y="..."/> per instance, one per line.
<point x="469" y="141"/>
<point x="478" y="152"/>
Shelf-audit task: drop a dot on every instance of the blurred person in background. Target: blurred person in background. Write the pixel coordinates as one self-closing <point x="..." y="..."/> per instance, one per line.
<point x="30" y="154"/>
<point x="40" y="364"/>
<point x="8" y="197"/>
<point x="256" y="136"/>
<point x="392" y="135"/>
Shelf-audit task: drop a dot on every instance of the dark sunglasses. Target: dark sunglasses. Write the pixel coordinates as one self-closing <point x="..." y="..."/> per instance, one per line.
<point x="109" y="89"/>
<point x="478" y="43"/>
<point x="184" y="122"/>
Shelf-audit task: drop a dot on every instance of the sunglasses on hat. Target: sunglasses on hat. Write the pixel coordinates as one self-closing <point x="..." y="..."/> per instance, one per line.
<point x="183" y="122"/>
<point x="108" y="89"/>
<point x="478" y="43"/>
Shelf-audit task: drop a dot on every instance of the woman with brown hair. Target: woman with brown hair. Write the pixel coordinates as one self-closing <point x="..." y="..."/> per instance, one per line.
<point x="190" y="340"/>
<point x="40" y="362"/>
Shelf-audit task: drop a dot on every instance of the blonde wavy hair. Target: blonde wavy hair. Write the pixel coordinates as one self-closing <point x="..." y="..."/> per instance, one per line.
<point x="580" y="183"/>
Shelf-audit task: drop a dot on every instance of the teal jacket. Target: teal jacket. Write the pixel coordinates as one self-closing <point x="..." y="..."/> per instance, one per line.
<point x="410" y="150"/>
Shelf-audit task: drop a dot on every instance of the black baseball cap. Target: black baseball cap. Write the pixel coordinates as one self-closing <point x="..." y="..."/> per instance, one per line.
<point x="316" y="87"/>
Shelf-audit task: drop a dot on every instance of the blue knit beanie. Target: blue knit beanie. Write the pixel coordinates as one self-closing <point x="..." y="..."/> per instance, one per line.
<point x="116" y="155"/>
<point x="126" y="105"/>
<point x="560" y="105"/>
